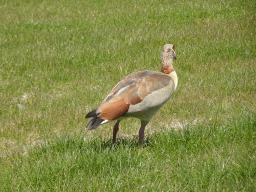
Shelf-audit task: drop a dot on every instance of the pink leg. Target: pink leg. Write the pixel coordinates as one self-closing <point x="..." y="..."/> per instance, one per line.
<point x="141" y="134"/>
<point x="115" y="130"/>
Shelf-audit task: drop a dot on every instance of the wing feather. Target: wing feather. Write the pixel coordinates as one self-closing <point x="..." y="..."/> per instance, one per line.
<point x="131" y="91"/>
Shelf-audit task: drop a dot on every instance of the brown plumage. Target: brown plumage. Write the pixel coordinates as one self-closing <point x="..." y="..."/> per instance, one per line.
<point x="138" y="95"/>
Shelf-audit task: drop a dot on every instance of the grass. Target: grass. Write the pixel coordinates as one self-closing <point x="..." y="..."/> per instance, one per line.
<point x="58" y="61"/>
<point x="205" y="157"/>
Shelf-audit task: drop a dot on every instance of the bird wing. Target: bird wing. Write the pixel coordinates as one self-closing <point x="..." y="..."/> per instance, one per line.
<point x="131" y="91"/>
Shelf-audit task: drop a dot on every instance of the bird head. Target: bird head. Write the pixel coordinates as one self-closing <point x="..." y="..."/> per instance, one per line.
<point x="168" y="54"/>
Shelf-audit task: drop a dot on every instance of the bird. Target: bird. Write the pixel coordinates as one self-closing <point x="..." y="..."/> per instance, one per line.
<point x="139" y="95"/>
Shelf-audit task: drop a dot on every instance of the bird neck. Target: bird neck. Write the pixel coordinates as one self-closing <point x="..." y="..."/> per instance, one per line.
<point x="174" y="76"/>
<point x="167" y="68"/>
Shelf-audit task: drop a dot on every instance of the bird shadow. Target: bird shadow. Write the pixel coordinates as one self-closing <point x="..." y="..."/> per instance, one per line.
<point x="127" y="142"/>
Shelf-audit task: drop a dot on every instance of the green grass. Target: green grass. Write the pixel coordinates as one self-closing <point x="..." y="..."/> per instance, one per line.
<point x="206" y="157"/>
<point x="58" y="61"/>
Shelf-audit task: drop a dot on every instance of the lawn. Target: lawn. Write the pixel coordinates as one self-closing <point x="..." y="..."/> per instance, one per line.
<point x="59" y="60"/>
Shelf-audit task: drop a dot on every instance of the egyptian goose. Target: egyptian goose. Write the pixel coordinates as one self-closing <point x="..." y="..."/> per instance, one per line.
<point x="138" y="95"/>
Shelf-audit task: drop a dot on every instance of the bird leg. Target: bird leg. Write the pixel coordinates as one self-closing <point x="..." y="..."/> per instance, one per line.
<point x="115" y="130"/>
<point x="141" y="134"/>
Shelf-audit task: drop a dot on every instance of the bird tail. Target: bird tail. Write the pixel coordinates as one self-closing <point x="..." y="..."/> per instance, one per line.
<point x="95" y="121"/>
